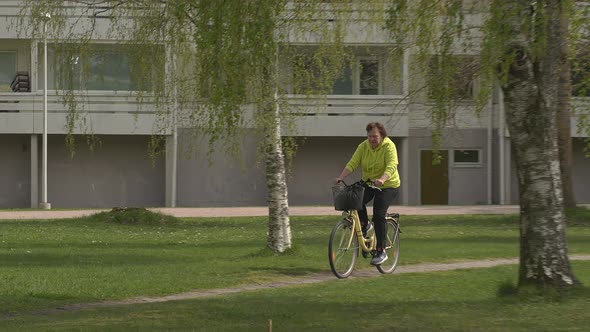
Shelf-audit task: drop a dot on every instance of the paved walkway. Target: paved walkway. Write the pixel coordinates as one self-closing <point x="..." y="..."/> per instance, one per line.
<point x="263" y="211"/>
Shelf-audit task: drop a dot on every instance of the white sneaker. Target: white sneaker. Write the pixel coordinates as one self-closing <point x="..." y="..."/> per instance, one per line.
<point x="379" y="258"/>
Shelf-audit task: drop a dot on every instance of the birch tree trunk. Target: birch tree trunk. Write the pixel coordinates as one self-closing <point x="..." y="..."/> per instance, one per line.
<point x="532" y="95"/>
<point x="279" y="229"/>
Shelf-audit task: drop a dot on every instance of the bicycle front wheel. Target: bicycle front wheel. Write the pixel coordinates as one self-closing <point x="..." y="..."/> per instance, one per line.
<point x="343" y="249"/>
<point x="392" y="245"/>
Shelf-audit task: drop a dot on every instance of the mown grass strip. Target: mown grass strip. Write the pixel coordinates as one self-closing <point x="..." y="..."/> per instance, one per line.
<point x="48" y="264"/>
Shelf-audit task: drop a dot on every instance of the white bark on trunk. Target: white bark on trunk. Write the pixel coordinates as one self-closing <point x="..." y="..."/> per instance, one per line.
<point x="531" y="106"/>
<point x="279" y="228"/>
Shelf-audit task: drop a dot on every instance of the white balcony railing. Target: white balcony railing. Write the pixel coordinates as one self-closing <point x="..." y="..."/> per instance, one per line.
<point x="348" y="115"/>
<point x="99" y="113"/>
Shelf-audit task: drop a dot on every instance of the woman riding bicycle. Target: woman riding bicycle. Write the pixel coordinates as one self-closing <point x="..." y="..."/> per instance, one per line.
<point x="377" y="156"/>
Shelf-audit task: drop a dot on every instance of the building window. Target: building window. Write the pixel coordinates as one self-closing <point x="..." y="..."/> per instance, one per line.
<point x="110" y="71"/>
<point x="362" y="75"/>
<point x="344" y="83"/>
<point x="466" y="157"/>
<point x="362" y="78"/>
<point x="310" y="75"/>
<point x="7" y="70"/>
<point x="100" y="68"/>
<point x="369" y="83"/>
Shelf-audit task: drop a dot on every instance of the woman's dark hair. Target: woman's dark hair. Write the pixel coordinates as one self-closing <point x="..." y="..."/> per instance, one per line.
<point x="379" y="127"/>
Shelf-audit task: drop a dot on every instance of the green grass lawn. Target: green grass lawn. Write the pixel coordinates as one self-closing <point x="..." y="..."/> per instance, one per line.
<point x="47" y="264"/>
<point x="463" y="300"/>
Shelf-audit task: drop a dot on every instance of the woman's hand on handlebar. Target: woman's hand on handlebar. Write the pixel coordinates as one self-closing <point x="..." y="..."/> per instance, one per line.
<point x="338" y="180"/>
<point x="371" y="184"/>
<point x="378" y="183"/>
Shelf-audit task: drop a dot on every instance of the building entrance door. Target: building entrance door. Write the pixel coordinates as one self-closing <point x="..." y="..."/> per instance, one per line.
<point x="434" y="179"/>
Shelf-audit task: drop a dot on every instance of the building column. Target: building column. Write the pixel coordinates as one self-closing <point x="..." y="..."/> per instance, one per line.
<point x="34" y="171"/>
<point x="507" y="171"/>
<point x="33" y="75"/>
<point x="405" y="170"/>
<point x="172" y="139"/>
<point x="489" y="154"/>
<point x="171" y="160"/>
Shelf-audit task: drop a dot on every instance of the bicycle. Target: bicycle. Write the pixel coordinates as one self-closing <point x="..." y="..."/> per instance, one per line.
<point x="347" y="240"/>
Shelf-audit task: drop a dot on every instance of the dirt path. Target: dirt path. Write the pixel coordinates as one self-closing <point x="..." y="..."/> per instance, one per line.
<point x="310" y="279"/>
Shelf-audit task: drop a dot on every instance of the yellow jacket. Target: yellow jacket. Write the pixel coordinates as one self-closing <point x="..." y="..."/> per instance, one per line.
<point x="376" y="162"/>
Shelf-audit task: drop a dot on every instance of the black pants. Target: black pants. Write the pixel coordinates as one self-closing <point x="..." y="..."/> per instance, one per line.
<point x="382" y="200"/>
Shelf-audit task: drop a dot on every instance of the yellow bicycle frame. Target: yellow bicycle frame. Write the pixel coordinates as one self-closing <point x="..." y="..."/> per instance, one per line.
<point x="366" y="245"/>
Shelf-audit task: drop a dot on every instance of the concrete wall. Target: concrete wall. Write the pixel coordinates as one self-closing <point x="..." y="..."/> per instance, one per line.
<point x="581" y="172"/>
<point x="235" y="182"/>
<point x="495" y="169"/>
<point x="219" y="179"/>
<point x="15" y="171"/>
<point x="317" y="163"/>
<point x="468" y="185"/>
<point x="231" y="181"/>
<point x="118" y="172"/>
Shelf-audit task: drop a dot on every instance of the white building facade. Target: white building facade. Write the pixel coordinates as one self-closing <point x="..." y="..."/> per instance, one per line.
<point x="476" y="165"/>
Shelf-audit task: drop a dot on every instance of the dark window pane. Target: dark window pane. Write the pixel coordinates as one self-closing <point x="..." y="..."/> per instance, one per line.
<point x="305" y="74"/>
<point x="343" y="85"/>
<point x="102" y="67"/>
<point x="369" y="77"/>
<point x="110" y="71"/>
<point x="7" y="69"/>
<point x="466" y="156"/>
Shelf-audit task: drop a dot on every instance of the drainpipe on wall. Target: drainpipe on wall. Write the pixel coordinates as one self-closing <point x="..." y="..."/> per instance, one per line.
<point x="171" y="61"/>
<point x="406" y="140"/>
<point x="174" y="156"/>
<point x="34" y="137"/>
<point x="44" y="204"/>
<point x="489" y="149"/>
<point x="406" y="73"/>
<point x="501" y="143"/>
<point x="405" y="170"/>
<point x="34" y="171"/>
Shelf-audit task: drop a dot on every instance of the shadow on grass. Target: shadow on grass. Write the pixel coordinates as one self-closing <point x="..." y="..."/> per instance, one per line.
<point x="579" y="216"/>
<point x="301" y="310"/>
<point x="458" y="240"/>
<point x="511" y="293"/>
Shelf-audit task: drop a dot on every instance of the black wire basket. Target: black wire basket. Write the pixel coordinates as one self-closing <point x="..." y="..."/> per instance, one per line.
<point x="348" y="197"/>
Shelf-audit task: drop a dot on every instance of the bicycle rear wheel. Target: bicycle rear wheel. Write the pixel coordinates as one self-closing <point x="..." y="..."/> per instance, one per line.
<point x="343" y="249"/>
<point x="392" y="246"/>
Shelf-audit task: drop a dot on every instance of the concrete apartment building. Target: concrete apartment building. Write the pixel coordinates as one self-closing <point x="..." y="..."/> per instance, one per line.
<point x="477" y="167"/>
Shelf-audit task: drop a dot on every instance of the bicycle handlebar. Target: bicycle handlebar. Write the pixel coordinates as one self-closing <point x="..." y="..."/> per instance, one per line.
<point x="372" y="185"/>
<point x="367" y="183"/>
